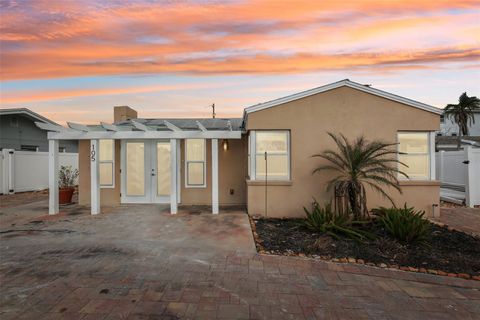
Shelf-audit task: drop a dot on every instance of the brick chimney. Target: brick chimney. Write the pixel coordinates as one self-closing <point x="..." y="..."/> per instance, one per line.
<point x="123" y="113"/>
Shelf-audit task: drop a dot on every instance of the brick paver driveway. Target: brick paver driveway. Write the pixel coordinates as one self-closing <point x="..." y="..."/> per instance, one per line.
<point x="135" y="262"/>
<point x="463" y="219"/>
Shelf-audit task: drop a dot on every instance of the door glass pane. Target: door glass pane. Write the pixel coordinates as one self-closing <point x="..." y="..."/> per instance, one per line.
<point x="195" y="174"/>
<point x="106" y="173"/>
<point x="163" y="169"/>
<point x="135" y="168"/>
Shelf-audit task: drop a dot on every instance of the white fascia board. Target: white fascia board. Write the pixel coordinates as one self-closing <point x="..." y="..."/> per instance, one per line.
<point x="339" y="84"/>
<point x="80" y="135"/>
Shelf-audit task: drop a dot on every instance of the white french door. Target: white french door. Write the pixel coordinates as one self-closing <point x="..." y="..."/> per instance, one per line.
<point x="146" y="171"/>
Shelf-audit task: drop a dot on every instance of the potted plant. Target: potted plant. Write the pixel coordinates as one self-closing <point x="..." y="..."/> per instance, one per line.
<point x="66" y="182"/>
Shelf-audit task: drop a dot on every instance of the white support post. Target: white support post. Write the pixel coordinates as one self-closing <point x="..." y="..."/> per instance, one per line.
<point x="53" y="177"/>
<point x="441" y="165"/>
<point x="432" y="155"/>
<point x="173" y="176"/>
<point x="94" y="177"/>
<point x="215" y="176"/>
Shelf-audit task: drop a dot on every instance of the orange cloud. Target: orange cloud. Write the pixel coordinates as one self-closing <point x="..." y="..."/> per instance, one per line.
<point x="44" y="95"/>
<point x="51" y="39"/>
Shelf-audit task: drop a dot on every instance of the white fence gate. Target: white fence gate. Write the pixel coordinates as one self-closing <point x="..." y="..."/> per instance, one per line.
<point x="459" y="173"/>
<point x="28" y="170"/>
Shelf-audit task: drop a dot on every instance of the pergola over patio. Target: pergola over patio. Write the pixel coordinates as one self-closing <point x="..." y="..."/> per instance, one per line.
<point x="138" y="129"/>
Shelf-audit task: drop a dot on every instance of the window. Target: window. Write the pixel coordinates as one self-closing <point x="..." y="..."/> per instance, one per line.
<point x="415" y="151"/>
<point x="24" y="147"/>
<point x="275" y="165"/>
<point x="107" y="163"/>
<point x="62" y="149"/>
<point x="195" y="163"/>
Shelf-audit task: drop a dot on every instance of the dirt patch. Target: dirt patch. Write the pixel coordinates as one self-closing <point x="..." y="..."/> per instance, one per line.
<point x="446" y="250"/>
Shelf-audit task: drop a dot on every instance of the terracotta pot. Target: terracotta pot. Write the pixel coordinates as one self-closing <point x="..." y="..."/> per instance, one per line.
<point x="65" y="195"/>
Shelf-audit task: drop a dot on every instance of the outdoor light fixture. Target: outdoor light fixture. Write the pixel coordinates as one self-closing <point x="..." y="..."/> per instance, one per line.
<point x="225" y="144"/>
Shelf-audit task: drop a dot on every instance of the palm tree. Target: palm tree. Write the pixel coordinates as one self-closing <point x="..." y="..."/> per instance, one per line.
<point x="357" y="164"/>
<point x="462" y="113"/>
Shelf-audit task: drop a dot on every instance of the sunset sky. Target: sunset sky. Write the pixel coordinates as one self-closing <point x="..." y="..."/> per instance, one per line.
<point x="75" y="60"/>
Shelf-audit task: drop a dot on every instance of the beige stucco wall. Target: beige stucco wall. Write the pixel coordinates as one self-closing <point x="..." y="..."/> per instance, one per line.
<point x="232" y="169"/>
<point x="108" y="196"/>
<point x="232" y="172"/>
<point x="343" y="110"/>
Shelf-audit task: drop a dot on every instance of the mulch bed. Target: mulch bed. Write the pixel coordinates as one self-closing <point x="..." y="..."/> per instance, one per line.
<point x="447" y="250"/>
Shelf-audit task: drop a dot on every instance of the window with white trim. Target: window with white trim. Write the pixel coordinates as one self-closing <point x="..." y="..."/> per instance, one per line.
<point x="195" y="168"/>
<point x="269" y="155"/>
<point x="415" y="151"/>
<point x="107" y="163"/>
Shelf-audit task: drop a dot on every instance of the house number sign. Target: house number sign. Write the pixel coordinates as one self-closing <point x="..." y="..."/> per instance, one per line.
<point x="92" y="153"/>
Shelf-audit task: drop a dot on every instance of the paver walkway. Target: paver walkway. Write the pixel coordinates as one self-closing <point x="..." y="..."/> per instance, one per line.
<point x="463" y="219"/>
<point x="137" y="262"/>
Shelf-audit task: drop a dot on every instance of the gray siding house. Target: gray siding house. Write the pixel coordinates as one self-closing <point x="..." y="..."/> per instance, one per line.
<point x="19" y="132"/>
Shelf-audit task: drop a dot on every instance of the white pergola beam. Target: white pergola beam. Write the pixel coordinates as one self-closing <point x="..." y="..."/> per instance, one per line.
<point x="109" y="127"/>
<point x="140" y="126"/>
<point x="142" y="135"/>
<point x="201" y="126"/>
<point x="171" y="126"/>
<point x="215" y="176"/>
<point x="173" y="176"/>
<point x="53" y="207"/>
<point x="94" y="177"/>
<point x="78" y="126"/>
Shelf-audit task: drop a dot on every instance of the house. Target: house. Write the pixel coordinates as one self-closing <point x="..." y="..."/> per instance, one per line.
<point x="19" y="132"/>
<point x="448" y="127"/>
<point x="221" y="162"/>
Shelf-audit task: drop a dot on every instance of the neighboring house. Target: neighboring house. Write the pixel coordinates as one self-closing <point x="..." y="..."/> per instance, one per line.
<point x="19" y="132"/>
<point x="448" y="127"/>
<point x="221" y="162"/>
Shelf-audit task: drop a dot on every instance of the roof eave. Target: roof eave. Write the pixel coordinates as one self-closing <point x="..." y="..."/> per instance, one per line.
<point x="339" y="84"/>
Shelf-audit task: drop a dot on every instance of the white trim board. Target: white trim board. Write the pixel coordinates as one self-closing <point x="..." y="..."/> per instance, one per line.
<point x="338" y="84"/>
<point x="69" y="134"/>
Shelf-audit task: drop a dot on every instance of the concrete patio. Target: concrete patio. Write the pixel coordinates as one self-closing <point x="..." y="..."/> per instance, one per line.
<point x="139" y="262"/>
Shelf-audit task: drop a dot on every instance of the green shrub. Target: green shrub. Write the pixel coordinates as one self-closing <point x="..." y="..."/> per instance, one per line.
<point x="404" y="224"/>
<point x="325" y="220"/>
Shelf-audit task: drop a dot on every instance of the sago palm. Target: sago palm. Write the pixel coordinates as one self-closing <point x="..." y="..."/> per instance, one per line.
<point x="358" y="164"/>
<point x="463" y="112"/>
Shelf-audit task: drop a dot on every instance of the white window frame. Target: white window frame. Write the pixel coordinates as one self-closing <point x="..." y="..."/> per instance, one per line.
<point x="431" y="154"/>
<point x="252" y="156"/>
<point x="204" y="185"/>
<point x="107" y="186"/>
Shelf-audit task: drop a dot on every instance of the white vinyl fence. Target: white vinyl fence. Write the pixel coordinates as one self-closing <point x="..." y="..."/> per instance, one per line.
<point x="459" y="173"/>
<point x="28" y="170"/>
